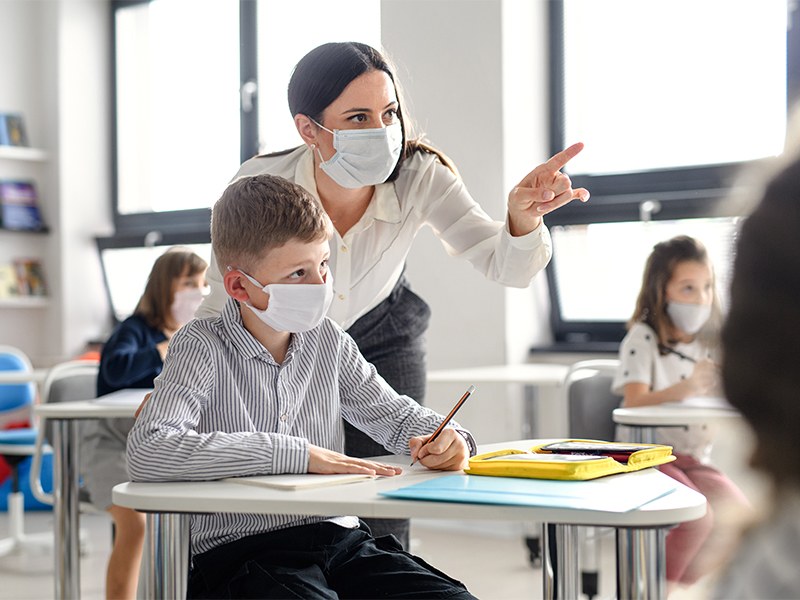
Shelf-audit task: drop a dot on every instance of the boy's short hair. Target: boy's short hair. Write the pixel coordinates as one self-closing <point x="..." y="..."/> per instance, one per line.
<point x="258" y="213"/>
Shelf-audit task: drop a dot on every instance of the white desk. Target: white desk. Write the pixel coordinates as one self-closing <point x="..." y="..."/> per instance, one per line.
<point x="35" y="376"/>
<point x="643" y="420"/>
<point x="640" y="533"/>
<point x="66" y="417"/>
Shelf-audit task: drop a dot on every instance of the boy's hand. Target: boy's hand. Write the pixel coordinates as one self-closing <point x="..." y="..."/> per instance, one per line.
<point x="449" y="452"/>
<point x="324" y="461"/>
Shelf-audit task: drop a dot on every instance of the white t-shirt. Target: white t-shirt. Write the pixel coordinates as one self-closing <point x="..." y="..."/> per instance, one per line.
<point x="367" y="262"/>
<point x="641" y="362"/>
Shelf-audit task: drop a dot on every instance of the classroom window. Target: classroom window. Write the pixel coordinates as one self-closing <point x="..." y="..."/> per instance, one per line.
<point x="341" y="21"/>
<point x="177" y="104"/>
<point x="671" y="104"/>
<point x="199" y="87"/>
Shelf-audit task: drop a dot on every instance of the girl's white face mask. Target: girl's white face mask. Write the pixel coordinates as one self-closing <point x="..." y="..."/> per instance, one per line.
<point x="363" y="156"/>
<point x="294" y="307"/>
<point x="689" y="318"/>
<point x="185" y="303"/>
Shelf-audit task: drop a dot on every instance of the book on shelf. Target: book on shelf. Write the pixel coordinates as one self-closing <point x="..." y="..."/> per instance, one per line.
<point x="8" y="281"/>
<point x="30" y="277"/>
<point x="12" y="130"/>
<point x="19" y="206"/>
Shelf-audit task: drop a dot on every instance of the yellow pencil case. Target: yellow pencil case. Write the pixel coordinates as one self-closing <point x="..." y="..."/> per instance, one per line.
<point x="570" y="459"/>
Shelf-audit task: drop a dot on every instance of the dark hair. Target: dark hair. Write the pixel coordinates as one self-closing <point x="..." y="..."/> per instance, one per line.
<point x="256" y="214"/>
<point x="156" y="302"/>
<point x="321" y="76"/>
<point x="651" y="305"/>
<point x="761" y="337"/>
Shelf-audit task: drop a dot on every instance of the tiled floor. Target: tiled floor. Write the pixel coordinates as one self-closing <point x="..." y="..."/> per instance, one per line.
<point x="489" y="558"/>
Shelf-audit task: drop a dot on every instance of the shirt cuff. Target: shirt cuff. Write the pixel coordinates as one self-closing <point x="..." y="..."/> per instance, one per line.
<point x="529" y="241"/>
<point x="289" y="455"/>
<point x="473" y="447"/>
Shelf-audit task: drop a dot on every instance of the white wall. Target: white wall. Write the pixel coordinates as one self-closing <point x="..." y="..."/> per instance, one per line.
<point x="84" y="174"/>
<point x="22" y="90"/>
<point x="54" y="65"/>
<point x="474" y="77"/>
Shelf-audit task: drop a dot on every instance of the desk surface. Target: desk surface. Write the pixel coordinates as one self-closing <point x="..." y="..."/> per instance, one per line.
<point x="529" y="373"/>
<point x="36" y="376"/>
<point x="119" y="404"/>
<point x="671" y="414"/>
<point x="363" y="498"/>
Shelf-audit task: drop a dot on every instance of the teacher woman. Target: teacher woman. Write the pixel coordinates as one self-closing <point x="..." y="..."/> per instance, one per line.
<point x="380" y="188"/>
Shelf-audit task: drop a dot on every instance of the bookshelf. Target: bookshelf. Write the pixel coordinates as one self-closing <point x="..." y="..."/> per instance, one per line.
<point x="26" y="162"/>
<point x="22" y="153"/>
<point x="24" y="302"/>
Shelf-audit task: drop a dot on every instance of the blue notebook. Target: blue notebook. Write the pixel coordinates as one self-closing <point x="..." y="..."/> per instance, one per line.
<point x="617" y="493"/>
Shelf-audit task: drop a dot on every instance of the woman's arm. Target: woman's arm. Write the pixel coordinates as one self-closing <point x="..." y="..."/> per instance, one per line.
<point x="467" y="231"/>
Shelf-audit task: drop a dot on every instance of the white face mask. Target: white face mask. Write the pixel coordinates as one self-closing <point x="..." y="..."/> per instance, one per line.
<point x="185" y="303"/>
<point x="689" y="318"/>
<point x="363" y="156"/>
<point x="294" y="307"/>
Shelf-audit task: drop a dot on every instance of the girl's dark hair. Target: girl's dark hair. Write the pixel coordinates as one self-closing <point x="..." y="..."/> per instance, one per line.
<point x="651" y="305"/>
<point x="156" y="302"/>
<point x="321" y="76"/>
<point x="761" y="336"/>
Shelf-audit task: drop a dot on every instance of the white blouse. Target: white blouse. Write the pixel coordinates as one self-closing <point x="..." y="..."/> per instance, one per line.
<point x="368" y="260"/>
<point x="641" y="362"/>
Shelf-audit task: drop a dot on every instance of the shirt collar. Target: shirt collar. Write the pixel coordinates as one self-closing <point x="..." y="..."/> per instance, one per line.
<point x="384" y="206"/>
<point x="244" y="342"/>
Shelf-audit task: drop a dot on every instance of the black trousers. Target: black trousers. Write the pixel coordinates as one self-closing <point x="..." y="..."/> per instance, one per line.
<point x="318" y="561"/>
<point x="392" y="337"/>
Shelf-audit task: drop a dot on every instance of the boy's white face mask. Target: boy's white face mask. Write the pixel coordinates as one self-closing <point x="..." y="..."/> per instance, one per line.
<point x="689" y="318"/>
<point x="363" y="156"/>
<point x="294" y="307"/>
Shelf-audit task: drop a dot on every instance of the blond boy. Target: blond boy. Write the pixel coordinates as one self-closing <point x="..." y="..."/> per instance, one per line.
<point x="262" y="389"/>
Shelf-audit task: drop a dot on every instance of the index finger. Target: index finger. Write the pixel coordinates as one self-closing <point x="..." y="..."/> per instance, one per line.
<point x="557" y="161"/>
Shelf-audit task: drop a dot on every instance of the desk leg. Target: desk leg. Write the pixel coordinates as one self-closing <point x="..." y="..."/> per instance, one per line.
<point x="641" y="564"/>
<point x="530" y="405"/>
<point x="65" y="509"/>
<point x="166" y="555"/>
<point x="642" y="434"/>
<point x="560" y="572"/>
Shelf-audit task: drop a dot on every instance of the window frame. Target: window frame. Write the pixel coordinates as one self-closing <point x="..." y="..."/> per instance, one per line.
<point x="687" y="192"/>
<point x="192" y="225"/>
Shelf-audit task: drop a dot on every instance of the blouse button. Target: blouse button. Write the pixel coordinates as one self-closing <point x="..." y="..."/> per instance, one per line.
<point x="344" y="248"/>
<point x="341" y="296"/>
<point x="283" y="418"/>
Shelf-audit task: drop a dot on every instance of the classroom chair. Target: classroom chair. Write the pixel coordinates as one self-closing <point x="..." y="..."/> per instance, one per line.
<point x="17" y="444"/>
<point x="65" y="382"/>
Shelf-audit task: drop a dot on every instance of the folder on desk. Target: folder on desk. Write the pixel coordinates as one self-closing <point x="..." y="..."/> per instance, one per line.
<point x="612" y="494"/>
<point x="570" y="460"/>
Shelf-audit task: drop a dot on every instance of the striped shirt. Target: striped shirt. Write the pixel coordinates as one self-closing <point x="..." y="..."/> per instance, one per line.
<point x="222" y="407"/>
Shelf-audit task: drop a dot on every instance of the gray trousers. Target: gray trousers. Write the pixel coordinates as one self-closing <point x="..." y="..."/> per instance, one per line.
<point x="392" y="337"/>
